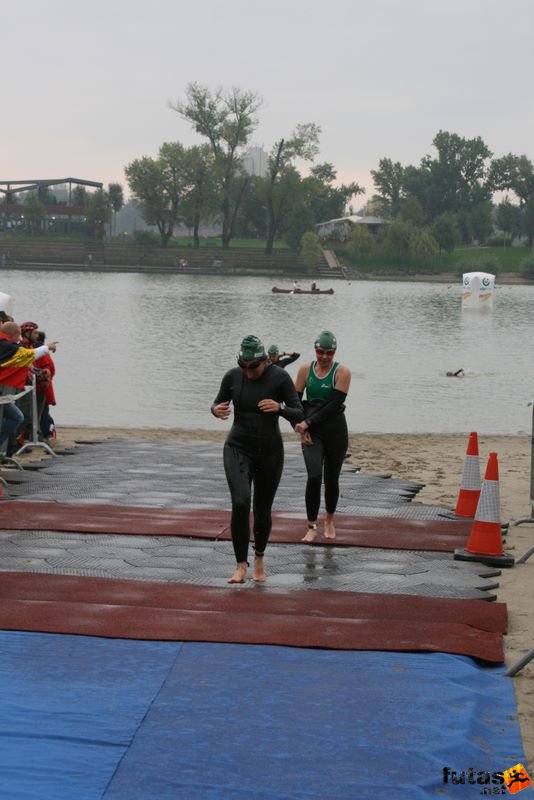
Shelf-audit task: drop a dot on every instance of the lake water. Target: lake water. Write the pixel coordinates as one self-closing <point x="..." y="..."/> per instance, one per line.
<point x="141" y="350"/>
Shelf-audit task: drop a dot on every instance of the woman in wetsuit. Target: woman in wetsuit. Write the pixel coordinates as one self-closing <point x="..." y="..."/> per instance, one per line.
<point x="253" y="452"/>
<point x="324" y="431"/>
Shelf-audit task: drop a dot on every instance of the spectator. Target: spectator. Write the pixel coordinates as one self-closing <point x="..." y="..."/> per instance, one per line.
<point x="45" y="369"/>
<point x="15" y="363"/>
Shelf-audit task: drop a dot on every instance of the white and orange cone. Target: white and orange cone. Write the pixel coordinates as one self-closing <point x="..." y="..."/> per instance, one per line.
<point x="469" y="493"/>
<point x="485" y="540"/>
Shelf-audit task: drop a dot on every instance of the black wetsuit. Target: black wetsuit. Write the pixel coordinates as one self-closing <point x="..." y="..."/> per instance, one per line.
<point x="254" y="451"/>
<point x="330" y="438"/>
<point x="285" y="361"/>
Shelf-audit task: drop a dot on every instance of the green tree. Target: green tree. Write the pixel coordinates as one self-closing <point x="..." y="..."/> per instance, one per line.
<point x="116" y="199"/>
<point x="311" y="249"/>
<point x="423" y="247"/>
<point x="396" y="240"/>
<point x="304" y="144"/>
<point x="361" y="241"/>
<point x="227" y="121"/>
<point x="202" y="193"/>
<point x="481" y="221"/>
<point x="389" y="182"/>
<point x="159" y="185"/>
<point x="328" y="201"/>
<point x="528" y="221"/>
<point x="299" y="220"/>
<point x="116" y="196"/>
<point x="513" y="173"/>
<point x="79" y="196"/>
<point x="34" y="212"/>
<point x="411" y="210"/>
<point x="508" y="218"/>
<point x="98" y="212"/>
<point x="459" y="174"/>
<point x="445" y="232"/>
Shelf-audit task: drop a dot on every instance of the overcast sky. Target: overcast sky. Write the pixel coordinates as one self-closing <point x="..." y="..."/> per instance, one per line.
<point x="85" y="87"/>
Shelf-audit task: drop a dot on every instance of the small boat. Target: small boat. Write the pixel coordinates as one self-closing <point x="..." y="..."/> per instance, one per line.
<point x="296" y="290"/>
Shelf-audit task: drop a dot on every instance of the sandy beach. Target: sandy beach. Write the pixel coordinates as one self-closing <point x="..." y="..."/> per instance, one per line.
<point x="436" y="461"/>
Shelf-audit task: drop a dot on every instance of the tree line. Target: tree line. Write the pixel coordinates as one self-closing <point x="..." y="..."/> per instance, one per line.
<point x="447" y="199"/>
<point x="209" y="181"/>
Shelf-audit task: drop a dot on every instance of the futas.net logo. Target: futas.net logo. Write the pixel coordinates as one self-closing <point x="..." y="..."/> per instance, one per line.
<point x="510" y="781"/>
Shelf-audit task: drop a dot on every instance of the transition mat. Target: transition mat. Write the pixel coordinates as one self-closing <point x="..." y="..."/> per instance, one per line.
<point x="100" y="719"/>
<point x="331" y="620"/>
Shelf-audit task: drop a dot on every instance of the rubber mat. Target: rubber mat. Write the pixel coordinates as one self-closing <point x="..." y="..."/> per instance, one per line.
<point x="102" y="719"/>
<point x="334" y="620"/>
<point x="399" y="534"/>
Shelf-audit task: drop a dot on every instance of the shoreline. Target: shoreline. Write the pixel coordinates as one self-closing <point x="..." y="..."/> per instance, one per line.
<point x="435" y="460"/>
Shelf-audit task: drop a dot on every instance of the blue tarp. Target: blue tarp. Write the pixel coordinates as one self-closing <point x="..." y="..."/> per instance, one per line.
<point x="84" y="718"/>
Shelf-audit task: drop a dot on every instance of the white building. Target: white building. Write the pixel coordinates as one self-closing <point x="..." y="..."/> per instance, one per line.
<point x="255" y="161"/>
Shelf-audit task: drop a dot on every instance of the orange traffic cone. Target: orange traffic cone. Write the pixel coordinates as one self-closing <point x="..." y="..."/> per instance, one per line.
<point x="485" y="541"/>
<point x="469" y="493"/>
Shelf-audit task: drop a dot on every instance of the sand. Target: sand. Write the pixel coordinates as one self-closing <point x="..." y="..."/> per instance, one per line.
<point x="437" y="461"/>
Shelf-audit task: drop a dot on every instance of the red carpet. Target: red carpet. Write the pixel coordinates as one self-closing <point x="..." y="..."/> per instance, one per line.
<point x="250" y="615"/>
<point x="399" y="534"/>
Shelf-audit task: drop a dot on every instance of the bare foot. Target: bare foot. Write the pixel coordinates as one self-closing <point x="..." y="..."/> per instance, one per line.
<point x="312" y="533"/>
<point x="329" y="530"/>
<point x="259" y="570"/>
<point x="240" y="574"/>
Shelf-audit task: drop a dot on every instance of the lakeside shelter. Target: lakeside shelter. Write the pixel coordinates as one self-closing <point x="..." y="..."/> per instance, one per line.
<point x="339" y="230"/>
<point x="63" y="211"/>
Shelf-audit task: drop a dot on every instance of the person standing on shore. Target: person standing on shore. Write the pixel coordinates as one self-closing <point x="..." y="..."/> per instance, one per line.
<point x="253" y="452"/>
<point x="324" y="432"/>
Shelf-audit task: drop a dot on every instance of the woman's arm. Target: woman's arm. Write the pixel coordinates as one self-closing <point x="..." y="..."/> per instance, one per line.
<point x="321" y="411"/>
<point x="221" y="405"/>
<point x="302" y="376"/>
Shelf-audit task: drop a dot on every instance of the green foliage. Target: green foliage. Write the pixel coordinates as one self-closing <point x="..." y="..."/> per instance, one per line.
<point x="34" y="212"/>
<point x="486" y="262"/>
<point x="361" y="241"/>
<point x="159" y="185"/>
<point x="445" y="232"/>
<point x="389" y="183"/>
<point x="311" y="249"/>
<point x="116" y="196"/>
<point x="423" y="247"/>
<point x="500" y="239"/>
<point x="299" y="221"/>
<point x="146" y="237"/>
<point x="98" y="211"/>
<point x="527" y="268"/>
<point x="227" y="121"/>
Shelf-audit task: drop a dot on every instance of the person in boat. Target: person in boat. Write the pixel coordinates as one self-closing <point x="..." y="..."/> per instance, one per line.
<point x="281" y="359"/>
<point x="296" y="286"/>
<point x="324" y="433"/>
<point x="314" y="287"/>
<point x="458" y="374"/>
<point x="253" y="453"/>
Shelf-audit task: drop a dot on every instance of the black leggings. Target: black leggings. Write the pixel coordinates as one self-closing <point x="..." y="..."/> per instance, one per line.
<point x="264" y="470"/>
<point x="326" y="454"/>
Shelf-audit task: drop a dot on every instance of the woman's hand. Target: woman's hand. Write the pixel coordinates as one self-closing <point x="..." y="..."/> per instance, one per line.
<point x="301" y="427"/>
<point x="305" y="438"/>
<point x="269" y="406"/>
<point x="221" y="410"/>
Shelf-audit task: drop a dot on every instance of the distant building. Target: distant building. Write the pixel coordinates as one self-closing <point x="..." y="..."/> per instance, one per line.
<point x="59" y="197"/>
<point x="339" y="230"/>
<point x="255" y="161"/>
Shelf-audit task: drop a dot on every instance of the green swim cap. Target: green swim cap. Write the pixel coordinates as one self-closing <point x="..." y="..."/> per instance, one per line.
<point x="326" y="340"/>
<point x="273" y="350"/>
<point x="251" y="348"/>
